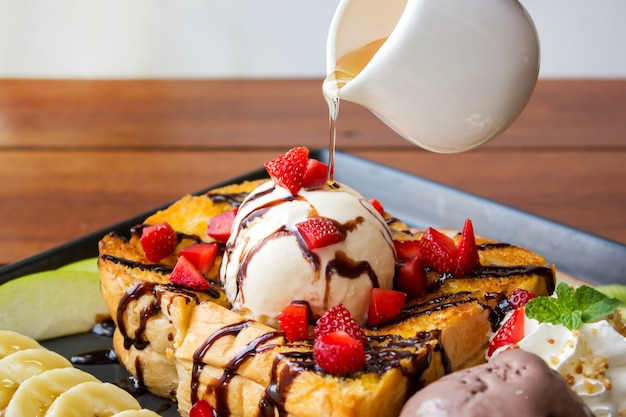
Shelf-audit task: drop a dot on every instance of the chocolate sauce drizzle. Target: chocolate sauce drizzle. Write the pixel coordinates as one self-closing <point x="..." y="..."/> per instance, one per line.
<point x="383" y="353"/>
<point x="135" y="293"/>
<point x="234" y="199"/>
<point x="221" y="387"/>
<point x="212" y="291"/>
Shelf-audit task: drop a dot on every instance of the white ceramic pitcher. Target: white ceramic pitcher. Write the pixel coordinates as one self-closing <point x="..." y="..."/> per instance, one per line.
<point x="451" y="75"/>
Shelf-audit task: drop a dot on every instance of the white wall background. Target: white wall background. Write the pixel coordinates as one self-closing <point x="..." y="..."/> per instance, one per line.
<point x="253" y="38"/>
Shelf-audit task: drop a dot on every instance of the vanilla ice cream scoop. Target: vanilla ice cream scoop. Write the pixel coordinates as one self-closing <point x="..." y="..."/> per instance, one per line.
<point x="267" y="265"/>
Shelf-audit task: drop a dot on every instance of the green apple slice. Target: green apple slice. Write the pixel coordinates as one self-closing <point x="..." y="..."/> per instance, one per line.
<point x="51" y="304"/>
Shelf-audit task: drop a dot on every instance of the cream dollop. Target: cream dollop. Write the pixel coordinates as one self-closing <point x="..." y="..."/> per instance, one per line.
<point x="592" y="359"/>
<point x="266" y="266"/>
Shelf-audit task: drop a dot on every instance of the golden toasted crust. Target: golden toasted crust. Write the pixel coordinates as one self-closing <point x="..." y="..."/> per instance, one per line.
<point x="190" y="345"/>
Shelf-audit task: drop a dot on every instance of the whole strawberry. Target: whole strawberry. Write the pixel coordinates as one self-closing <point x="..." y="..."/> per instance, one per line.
<point x="339" y="353"/>
<point x="158" y="241"/>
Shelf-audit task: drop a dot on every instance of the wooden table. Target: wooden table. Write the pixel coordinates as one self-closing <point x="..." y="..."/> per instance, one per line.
<point x="77" y="156"/>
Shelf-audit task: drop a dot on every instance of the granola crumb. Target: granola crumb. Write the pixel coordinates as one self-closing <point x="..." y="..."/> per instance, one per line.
<point x="595" y="367"/>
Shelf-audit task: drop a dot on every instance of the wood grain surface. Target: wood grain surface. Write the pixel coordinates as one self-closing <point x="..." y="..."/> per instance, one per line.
<point x="79" y="155"/>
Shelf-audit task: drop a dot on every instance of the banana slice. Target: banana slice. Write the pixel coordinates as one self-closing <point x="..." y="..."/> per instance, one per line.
<point x="98" y="399"/>
<point x="23" y="364"/>
<point x="136" y="413"/>
<point x="35" y="395"/>
<point x="11" y="341"/>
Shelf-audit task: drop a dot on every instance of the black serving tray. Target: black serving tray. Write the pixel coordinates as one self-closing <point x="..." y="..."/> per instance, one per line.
<point x="417" y="201"/>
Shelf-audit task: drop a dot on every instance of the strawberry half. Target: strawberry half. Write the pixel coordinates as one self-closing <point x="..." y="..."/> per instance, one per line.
<point x="339" y="353"/>
<point x="288" y="169"/>
<point x="337" y="319"/>
<point x="202" y="409"/>
<point x="201" y="255"/>
<point x="384" y="305"/>
<point x="187" y="275"/>
<point x="438" y="251"/>
<point x="511" y="332"/>
<point x="319" y="232"/>
<point x="467" y="253"/>
<point x="220" y="226"/>
<point x="294" y="320"/>
<point x="158" y="241"/>
<point x="316" y="175"/>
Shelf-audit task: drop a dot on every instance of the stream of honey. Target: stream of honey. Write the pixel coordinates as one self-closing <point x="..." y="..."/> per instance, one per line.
<point x="346" y="68"/>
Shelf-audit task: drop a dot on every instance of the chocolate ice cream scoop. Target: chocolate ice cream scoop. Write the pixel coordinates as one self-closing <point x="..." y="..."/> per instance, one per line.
<point x="514" y="383"/>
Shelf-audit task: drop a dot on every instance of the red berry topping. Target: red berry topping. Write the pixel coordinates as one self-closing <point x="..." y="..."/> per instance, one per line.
<point x="288" y="169"/>
<point x="220" y="226"/>
<point x="294" y="320"/>
<point x="319" y="232"/>
<point x="520" y="297"/>
<point x="201" y="255"/>
<point x="377" y="206"/>
<point x="384" y="305"/>
<point x="337" y="319"/>
<point x="467" y="253"/>
<point x="438" y="251"/>
<point x="202" y="409"/>
<point x="511" y="332"/>
<point x="187" y="275"/>
<point x="158" y="241"/>
<point x="315" y="175"/>
<point x="410" y="277"/>
<point x="339" y="353"/>
<point x="407" y="249"/>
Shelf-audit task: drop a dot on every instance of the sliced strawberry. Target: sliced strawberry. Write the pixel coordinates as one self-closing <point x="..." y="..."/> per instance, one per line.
<point x="337" y="319"/>
<point x="316" y="174"/>
<point x="407" y="249"/>
<point x="520" y="297"/>
<point x="511" y="332"/>
<point x="377" y="205"/>
<point x="339" y="353"/>
<point x="220" y="226"/>
<point x="202" y="409"/>
<point x="201" y="255"/>
<point x="294" y="320"/>
<point x="438" y="251"/>
<point x="410" y="277"/>
<point x="467" y="253"/>
<point x="288" y="169"/>
<point x="384" y="305"/>
<point x="187" y="275"/>
<point x="158" y="241"/>
<point x="319" y="232"/>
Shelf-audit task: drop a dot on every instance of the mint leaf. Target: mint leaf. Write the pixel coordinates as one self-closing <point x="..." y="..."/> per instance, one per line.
<point x="572" y="307"/>
<point x="572" y="320"/>
<point x="566" y="296"/>
<point x="595" y="304"/>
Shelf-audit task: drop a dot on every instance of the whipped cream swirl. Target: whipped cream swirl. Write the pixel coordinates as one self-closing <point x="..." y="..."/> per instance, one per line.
<point x="592" y="359"/>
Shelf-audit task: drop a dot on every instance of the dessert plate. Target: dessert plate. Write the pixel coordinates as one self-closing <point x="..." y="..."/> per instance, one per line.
<point x="578" y="255"/>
